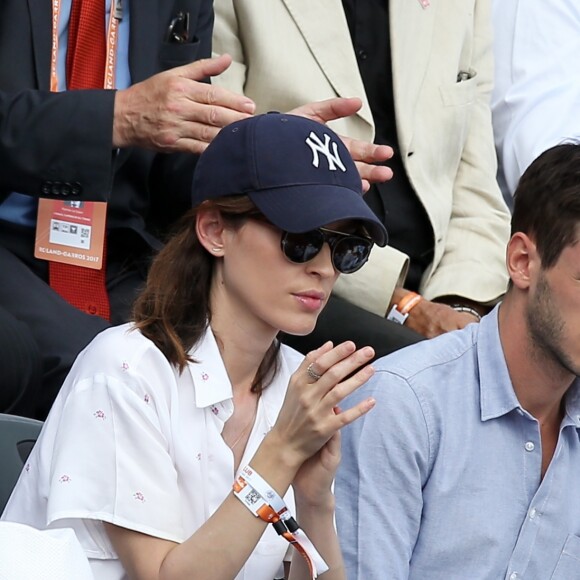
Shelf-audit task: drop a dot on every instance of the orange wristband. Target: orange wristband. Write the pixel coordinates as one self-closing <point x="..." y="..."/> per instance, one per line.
<point x="400" y="312"/>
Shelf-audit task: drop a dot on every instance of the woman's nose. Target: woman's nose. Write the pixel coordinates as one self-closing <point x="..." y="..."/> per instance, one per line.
<point x="321" y="264"/>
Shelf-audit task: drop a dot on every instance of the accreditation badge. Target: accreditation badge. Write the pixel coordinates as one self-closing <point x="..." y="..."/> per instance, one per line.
<point x="71" y="232"/>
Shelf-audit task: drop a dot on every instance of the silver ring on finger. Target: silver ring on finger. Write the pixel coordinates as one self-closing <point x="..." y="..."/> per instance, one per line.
<point x="312" y="373"/>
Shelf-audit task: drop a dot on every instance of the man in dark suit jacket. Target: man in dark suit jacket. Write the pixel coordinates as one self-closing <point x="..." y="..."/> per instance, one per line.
<point x="94" y="146"/>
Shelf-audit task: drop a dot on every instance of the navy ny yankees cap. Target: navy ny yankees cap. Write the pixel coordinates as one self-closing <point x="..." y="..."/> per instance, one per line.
<point x="296" y="171"/>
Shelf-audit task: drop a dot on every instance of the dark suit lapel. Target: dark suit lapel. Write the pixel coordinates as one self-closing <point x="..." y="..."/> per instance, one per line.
<point x="40" y="12"/>
<point x="143" y="42"/>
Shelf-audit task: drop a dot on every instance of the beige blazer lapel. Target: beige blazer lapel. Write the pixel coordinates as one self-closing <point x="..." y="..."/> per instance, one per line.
<point x="323" y="26"/>
<point x="411" y="44"/>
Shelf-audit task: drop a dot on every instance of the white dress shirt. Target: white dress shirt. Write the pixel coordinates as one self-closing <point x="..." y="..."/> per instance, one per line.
<point x="131" y="442"/>
<point x="536" y="100"/>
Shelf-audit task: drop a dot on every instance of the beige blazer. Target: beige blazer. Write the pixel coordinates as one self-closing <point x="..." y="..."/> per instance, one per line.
<point x="290" y="52"/>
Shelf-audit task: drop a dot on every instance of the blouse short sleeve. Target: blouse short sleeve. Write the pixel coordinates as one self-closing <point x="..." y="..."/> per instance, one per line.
<point x="113" y="432"/>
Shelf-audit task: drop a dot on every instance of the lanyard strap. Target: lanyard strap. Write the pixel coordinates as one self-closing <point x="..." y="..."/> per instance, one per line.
<point x="265" y="503"/>
<point x="112" y="42"/>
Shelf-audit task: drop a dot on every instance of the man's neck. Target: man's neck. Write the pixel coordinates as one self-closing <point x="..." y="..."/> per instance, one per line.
<point x="539" y="381"/>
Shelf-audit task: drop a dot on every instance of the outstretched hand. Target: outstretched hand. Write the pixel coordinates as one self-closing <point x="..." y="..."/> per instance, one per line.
<point x="175" y="111"/>
<point x="365" y="154"/>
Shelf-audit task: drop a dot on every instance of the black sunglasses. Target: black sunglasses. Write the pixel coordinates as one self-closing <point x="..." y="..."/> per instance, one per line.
<point x="349" y="252"/>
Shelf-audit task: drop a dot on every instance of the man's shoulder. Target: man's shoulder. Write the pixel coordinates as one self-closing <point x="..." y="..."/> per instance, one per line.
<point x="426" y="386"/>
<point x="438" y="356"/>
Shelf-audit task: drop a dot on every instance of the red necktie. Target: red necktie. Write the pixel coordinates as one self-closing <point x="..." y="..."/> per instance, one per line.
<point x="84" y="288"/>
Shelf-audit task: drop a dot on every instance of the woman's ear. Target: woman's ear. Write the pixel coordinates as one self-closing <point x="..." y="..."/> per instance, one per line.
<point x="210" y="230"/>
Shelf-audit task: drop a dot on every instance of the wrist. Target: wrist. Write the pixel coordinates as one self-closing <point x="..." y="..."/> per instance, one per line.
<point x="120" y="126"/>
<point x="262" y="499"/>
<point x="461" y="301"/>
<point x="464" y="308"/>
<point x="402" y="306"/>
<point x="323" y="504"/>
<point x="275" y="455"/>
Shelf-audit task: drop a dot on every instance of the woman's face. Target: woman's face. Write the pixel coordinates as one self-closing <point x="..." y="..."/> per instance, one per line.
<point x="260" y="283"/>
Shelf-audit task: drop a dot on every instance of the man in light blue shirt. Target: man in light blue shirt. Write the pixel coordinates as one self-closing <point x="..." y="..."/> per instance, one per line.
<point x="469" y="466"/>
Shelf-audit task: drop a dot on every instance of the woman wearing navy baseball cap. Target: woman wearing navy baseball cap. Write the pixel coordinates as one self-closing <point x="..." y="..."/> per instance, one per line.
<point x="190" y="443"/>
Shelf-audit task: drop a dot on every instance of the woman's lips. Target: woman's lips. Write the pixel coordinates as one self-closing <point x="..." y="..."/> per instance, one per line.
<point x="311" y="300"/>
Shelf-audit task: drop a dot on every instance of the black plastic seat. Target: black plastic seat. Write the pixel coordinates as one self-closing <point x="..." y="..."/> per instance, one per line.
<point x="17" y="438"/>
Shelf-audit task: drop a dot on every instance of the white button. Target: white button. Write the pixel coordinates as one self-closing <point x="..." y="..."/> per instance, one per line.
<point x="529" y="446"/>
<point x="514" y="576"/>
<point x="533" y="513"/>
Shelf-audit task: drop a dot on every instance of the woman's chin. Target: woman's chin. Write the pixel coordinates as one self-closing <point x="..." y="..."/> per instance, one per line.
<point x="299" y="330"/>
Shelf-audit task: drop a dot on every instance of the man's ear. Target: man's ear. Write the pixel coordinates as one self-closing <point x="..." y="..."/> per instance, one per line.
<point x="209" y="226"/>
<point x="522" y="260"/>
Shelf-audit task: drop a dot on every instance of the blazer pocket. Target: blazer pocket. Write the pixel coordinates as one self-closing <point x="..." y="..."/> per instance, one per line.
<point x="174" y="54"/>
<point x="568" y="567"/>
<point x="454" y="118"/>
<point x="460" y="93"/>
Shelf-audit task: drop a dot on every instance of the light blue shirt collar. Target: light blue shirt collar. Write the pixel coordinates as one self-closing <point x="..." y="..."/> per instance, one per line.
<point x="497" y="394"/>
<point x="498" y="397"/>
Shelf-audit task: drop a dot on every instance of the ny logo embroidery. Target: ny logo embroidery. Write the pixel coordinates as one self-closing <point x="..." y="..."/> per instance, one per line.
<point x="317" y="146"/>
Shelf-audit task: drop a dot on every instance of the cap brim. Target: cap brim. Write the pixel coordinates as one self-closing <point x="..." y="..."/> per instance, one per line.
<point x="301" y="208"/>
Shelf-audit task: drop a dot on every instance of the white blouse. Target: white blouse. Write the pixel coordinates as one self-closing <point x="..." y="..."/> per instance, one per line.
<point x="131" y="442"/>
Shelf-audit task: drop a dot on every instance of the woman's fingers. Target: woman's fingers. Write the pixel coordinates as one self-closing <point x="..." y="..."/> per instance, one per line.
<point x="354" y="413"/>
<point x="310" y="414"/>
<point x="339" y="378"/>
<point x="331" y="367"/>
<point x="343" y="389"/>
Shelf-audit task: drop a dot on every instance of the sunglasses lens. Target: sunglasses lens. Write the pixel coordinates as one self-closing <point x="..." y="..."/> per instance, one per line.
<point x="301" y="248"/>
<point x="350" y="254"/>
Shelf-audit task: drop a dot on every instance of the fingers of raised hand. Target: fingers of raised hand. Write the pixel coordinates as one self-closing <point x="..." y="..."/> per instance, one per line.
<point x="339" y="362"/>
<point x="186" y="115"/>
<point x="206" y="67"/>
<point x="312" y="373"/>
<point x="373" y="173"/>
<point x="193" y="138"/>
<point x="196" y="130"/>
<point x="316" y="365"/>
<point x="339" y="392"/>
<point x="350" y="415"/>
<point x="221" y="98"/>
<point x="367" y="152"/>
<point x="208" y="104"/>
<point x="329" y="109"/>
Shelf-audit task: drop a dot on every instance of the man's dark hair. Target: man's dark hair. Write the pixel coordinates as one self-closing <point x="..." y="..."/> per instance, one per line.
<point x="547" y="201"/>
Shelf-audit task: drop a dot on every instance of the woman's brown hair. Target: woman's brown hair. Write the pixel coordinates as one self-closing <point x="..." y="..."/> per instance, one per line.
<point x="173" y="310"/>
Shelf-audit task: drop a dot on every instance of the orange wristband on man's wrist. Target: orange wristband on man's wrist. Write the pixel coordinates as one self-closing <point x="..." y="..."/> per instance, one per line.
<point x="400" y="312"/>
